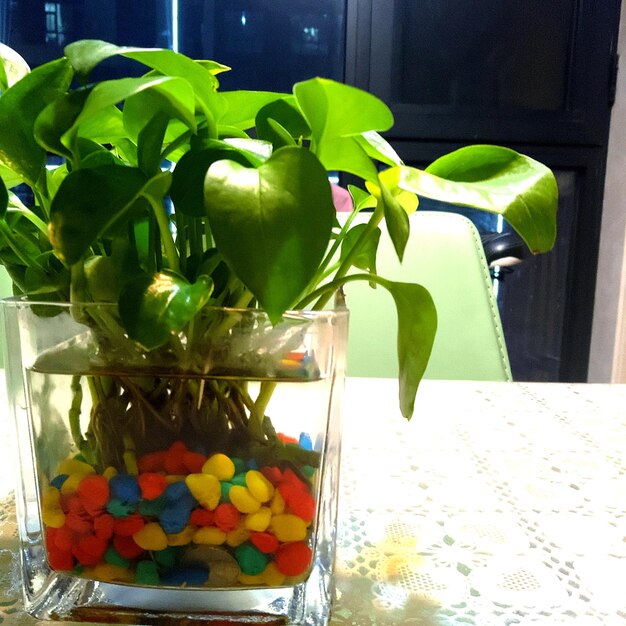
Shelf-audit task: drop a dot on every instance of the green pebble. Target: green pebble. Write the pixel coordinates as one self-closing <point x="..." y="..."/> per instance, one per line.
<point x="117" y="508"/>
<point x="152" y="508"/>
<point x="239" y="479"/>
<point x="147" y="573"/>
<point x="167" y="558"/>
<point x="113" y="557"/>
<point x="225" y="485"/>
<point x="240" y="465"/>
<point x="251" y="561"/>
<point x="308" y="470"/>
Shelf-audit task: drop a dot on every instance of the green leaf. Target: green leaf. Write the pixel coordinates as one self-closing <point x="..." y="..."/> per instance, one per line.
<point x="4" y="199"/>
<point x="284" y="112"/>
<point x="272" y="224"/>
<point x="498" y="180"/>
<point x="366" y="259"/>
<point x="378" y="148"/>
<point x="241" y="107"/>
<point x="396" y="219"/>
<point x="149" y="144"/>
<point x="19" y="108"/>
<point x="153" y="307"/>
<point x="88" y="203"/>
<point x="188" y="177"/>
<point x="12" y="67"/>
<point x="417" y="325"/>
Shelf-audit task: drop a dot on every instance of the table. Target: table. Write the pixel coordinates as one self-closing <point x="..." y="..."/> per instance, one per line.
<point x="498" y="504"/>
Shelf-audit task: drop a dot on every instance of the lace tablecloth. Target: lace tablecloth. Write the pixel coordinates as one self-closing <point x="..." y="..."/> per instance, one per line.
<point x="499" y="504"/>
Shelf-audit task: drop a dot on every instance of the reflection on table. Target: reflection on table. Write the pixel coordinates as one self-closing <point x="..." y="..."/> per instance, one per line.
<point x="499" y="503"/>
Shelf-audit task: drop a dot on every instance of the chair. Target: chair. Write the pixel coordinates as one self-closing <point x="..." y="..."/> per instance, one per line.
<point x="444" y="253"/>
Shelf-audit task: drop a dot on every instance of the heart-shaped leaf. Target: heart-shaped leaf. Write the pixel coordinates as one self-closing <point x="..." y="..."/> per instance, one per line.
<point x="153" y="307"/>
<point x="272" y="224"/>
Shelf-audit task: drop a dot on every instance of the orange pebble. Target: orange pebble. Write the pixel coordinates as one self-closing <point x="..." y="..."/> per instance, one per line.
<point x="293" y="559"/>
<point x="93" y="490"/>
<point x="265" y="542"/>
<point x="286" y="438"/>
<point x="193" y="462"/>
<point x="202" y="517"/>
<point x="227" y="517"/>
<point x="153" y="462"/>
<point x="174" y="463"/>
<point x="151" y="484"/>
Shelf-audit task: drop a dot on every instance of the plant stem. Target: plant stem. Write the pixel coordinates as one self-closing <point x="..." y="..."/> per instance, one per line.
<point x="162" y="218"/>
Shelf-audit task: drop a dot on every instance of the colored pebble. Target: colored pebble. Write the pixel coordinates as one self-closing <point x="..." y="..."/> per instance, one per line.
<point x="75" y="466"/>
<point x="185" y="576"/>
<point x="259" y="520"/>
<point x="125" y="488"/>
<point x="277" y="504"/>
<point x="117" y="508"/>
<point x="236" y="537"/>
<point x="110" y="572"/>
<point x="113" y="557"/>
<point x="251" y="560"/>
<point x="151" y="537"/>
<point x="152" y="508"/>
<point x="89" y="550"/>
<point x="202" y="517"/>
<point x="109" y="472"/>
<point x="79" y="523"/>
<point x="220" y="466"/>
<point x="260" y="487"/>
<point x="103" y="526"/>
<point x="244" y="501"/>
<point x="193" y="462"/>
<point x="174" y="458"/>
<point x="265" y="542"/>
<point x="167" y="557"/>
<point x="174" y="518"/>
<point x="127" y="526"/>
<point x="147" y="573"/>
<point x="272" y="576"/>
<point x="152" y="462"/>
<point x="225" y="486"/>
<point x="127" y="547"/>
<point x="304" y="441"/>
<point x="181" y="538"/>
<point x="210" y="536"/>
<point x="70" y="484"/>
<point x="205" y="488"/>
<point x="293" y="559"/>
<point x="51" y="511"/>
<point x="57" y="481"/>
<point x="64" y="539"/>
<point x="227" y="517"/>
<point x="240" y="465"/>
<point x="288" y="527"/>
<point x="151" y="485"/>
<point x="94" y="491"/>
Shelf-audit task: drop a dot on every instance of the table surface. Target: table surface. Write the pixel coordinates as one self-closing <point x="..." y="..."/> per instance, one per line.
<point x="498" y="504"/>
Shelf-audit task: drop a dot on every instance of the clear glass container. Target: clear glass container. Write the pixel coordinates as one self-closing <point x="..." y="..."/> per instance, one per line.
<point x="195" y="480"/>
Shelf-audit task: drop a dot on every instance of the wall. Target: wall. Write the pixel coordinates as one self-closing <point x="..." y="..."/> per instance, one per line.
<point x="607" y="361"/>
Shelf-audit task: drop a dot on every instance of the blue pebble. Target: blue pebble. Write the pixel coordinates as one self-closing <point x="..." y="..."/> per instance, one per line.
<point x="174" y="519"/>
<point x="178" y="495"/>
<point x="185" y="576"/>
<point x="305" y="441"/>
<point x="124" y="487"/>
<point x="252" y="464"/>
<point x="58" y="481"/>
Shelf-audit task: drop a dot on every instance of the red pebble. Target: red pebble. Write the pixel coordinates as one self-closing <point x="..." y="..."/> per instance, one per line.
<point x="89" y="550"/>
<point x="127" y="547"/>
<point x="290" y="477"/>
<point x="300" y="503"/>
<point x="73" y="503"/>
<point x="227" y="517"/>
<point x="60" y="560"/>
<point x="103" y="526"/>
<point x="174" y="463"/>
<point x="93" y="491"/>
<point x="202" y="517"/>
<point x="293" y="559"/>
<point x="193" y="462"/>
<point x="64" y="538"/>
<point x="151" y="484"/>
<point x="286" y="438"/>
<point x="127" y="526"/>
<point x="264" y="542"/>
<point x="153" y="462"/>
<point x="80" y="523"/>
<point x="273" y="474"/>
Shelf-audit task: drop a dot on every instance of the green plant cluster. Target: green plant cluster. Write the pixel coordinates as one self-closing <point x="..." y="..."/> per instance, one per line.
<point x="171" y="194"/>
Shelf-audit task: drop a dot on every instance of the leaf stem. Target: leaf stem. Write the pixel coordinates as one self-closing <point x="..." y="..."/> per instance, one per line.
<point x="163" y="222"/>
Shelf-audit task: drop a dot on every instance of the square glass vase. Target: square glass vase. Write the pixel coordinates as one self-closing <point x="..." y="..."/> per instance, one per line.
<point x="196" y="480"/>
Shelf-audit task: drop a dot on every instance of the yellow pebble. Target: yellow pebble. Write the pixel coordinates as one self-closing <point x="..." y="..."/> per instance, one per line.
<point x="220" y="466"/>
<point x="210" y="536"/>
<point x="243" y="500"/>
<point x="248" y="579"/>
<point x="272" y="576"/>
<point x="238" y="536"/>
<point x="151" y="537"/>
<point x="261" y="488"/>
<point x="70" y="484"/>
<point x="288" y="527"/>
<point x="109" y="472"/>
<point x="74" y="466"/>
<point x="109" y="572"/>
<point x="259" y="520"/>
<point x="130" y="463"/>
<point x="277" y="504"/>
<point x="205" y="488"/>
<point x="174" y="478"/>
<point x="51" y="512"/>
<point x="182" y="538"/>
